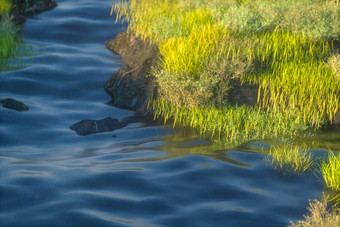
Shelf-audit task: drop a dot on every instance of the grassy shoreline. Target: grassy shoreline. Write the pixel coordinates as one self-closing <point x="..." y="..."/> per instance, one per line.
<point x="9" y="40"/>
<point x="202" y="55"/>
<point x="289" y="49"/>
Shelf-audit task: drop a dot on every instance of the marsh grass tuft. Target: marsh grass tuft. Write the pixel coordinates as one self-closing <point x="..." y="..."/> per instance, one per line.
<point x="10" y="41"/>
<point x="288" y="157"/>
<point x="234" y="124"/>
<point x="330" y="169"/>
<point x="5" y="7"/>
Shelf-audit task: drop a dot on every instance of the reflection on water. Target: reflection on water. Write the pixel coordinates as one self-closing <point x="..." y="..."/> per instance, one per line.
<point x="145" y="174"/>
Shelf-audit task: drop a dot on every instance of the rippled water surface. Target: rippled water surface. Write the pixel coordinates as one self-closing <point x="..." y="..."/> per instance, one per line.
<point x="145" y="174"/>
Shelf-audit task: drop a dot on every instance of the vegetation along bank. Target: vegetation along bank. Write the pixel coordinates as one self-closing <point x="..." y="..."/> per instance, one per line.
<point x="236" y="71"/>
<point x="12" y="14"/>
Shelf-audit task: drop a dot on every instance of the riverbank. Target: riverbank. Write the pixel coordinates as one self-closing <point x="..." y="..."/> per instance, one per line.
<point x="12" y="15"/>
<point x="286" y="65"/>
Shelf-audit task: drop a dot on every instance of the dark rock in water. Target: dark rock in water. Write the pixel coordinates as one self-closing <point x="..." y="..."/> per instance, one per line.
<point x="136" y="53"/>
<point x="26" y="8"/>
<point x="87" y="127"/>
<point x="131" y="86"/>
<point x="14" y="104"/>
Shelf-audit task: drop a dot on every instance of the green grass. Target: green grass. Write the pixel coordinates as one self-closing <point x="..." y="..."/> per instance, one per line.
<point x="9" y="43"/>
<point x="5" y="7"/>
<point x="235" y="124"/>
<point x="330" y="170"/>
<point x="206" y="45"/>
<point x="288" y="157"/>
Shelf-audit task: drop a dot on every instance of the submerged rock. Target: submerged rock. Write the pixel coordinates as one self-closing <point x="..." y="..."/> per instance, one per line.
<point x="87" y="127"/>
<point x="131" y="86"/>
<point x="130" y="89"/>
<point x="14" y="104"/>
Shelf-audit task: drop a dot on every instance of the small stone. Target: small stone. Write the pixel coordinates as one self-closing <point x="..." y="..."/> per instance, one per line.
<point x="14" y="104"/>
<point x="87" y="127"/>
<point x="336" y="120"/>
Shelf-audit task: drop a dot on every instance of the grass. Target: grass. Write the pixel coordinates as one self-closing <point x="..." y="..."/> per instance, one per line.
<point x="206" y="45"/>
<point x="5" y="7"/>
<point x="288" y="157"/>
<point x="330" y="170"/>
<point x="9" y="40"/>
<point x="319" y="215"/>
<point x="236" y="124"/>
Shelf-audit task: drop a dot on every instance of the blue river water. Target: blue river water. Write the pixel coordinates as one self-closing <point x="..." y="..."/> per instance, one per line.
<point x="145" y="174"/>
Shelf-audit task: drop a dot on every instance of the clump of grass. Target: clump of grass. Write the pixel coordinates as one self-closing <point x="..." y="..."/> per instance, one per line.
<point x="234" y="124"/>
<point x="334" y="63"/>
<point x="5" y="7"/>
<point x="330" y="170"/>
<point x="9" y="42"/>
<point x="196" y="69"/>
<point x="319" y="215"/>
<point x="290" y="157"/>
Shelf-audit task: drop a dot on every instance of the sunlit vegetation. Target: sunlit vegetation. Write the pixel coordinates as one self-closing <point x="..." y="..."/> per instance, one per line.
<point x="232" y="123"/>
<point x="288" y="157"/>
<point x="319" y="215"/>
<point x="5" y="7"/>
<point x="330" y="170"/>
<point x="9" y="41"/>
<point x="295" y="158"/>
<point x="206" y="45"/>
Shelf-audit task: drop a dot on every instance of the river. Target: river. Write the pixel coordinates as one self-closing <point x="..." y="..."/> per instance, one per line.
<point x="145" y="174"/>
